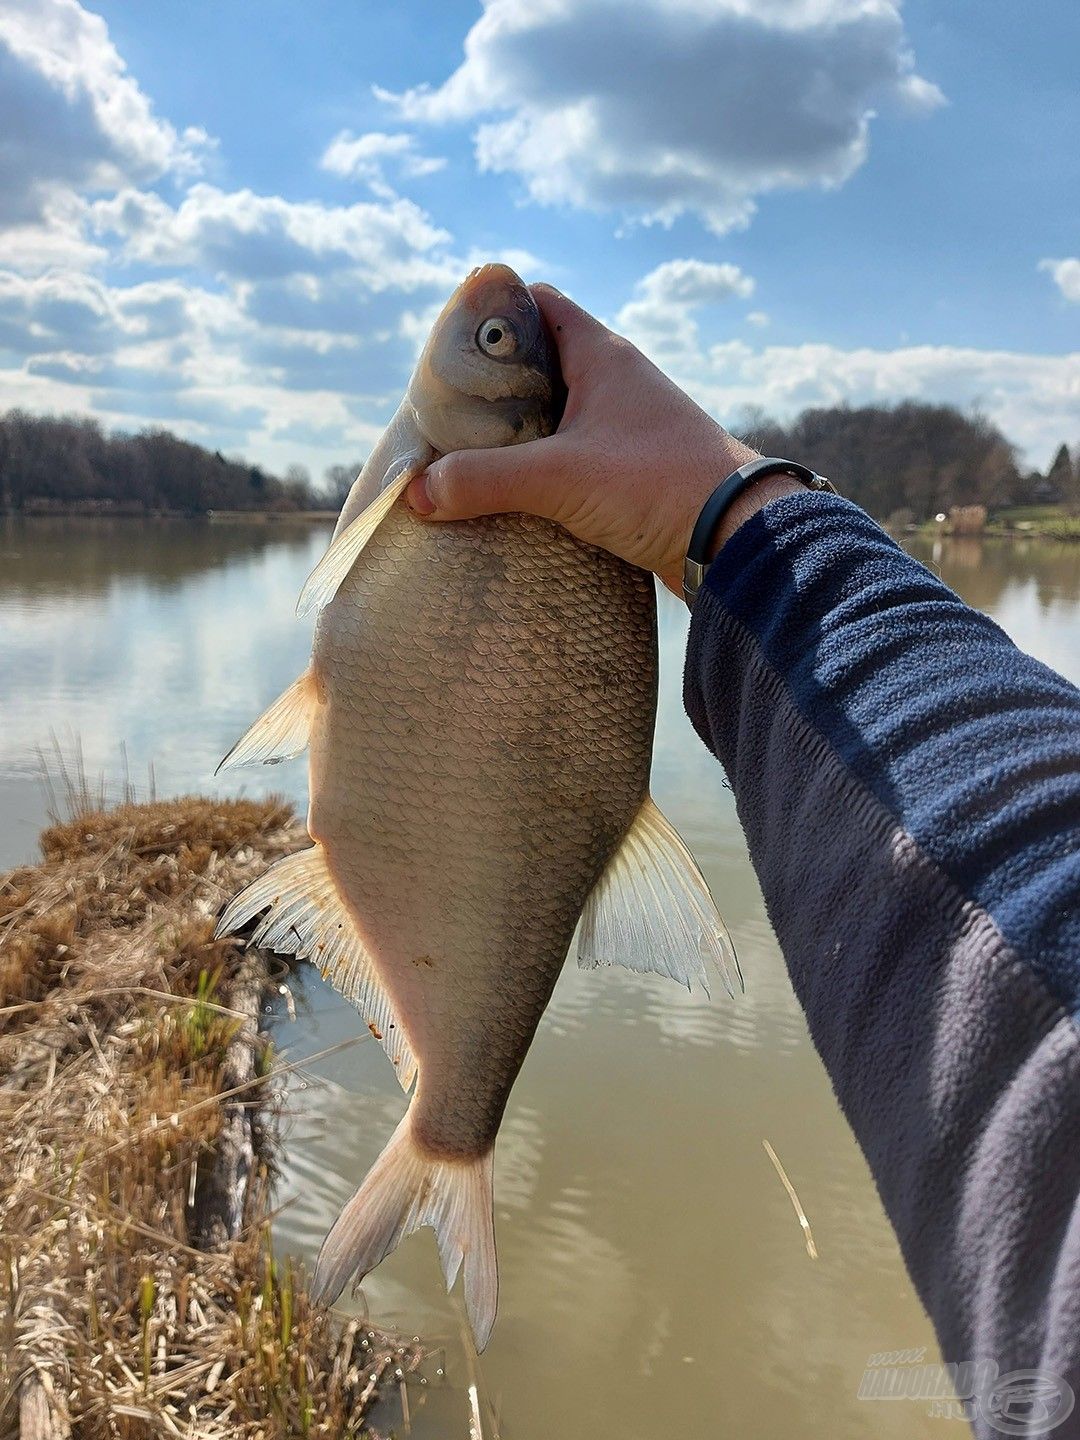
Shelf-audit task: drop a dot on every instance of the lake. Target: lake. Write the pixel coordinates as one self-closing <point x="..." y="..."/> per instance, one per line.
<point x="654" y="1277"/>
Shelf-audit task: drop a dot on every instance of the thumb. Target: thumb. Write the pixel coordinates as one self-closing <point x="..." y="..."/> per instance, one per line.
<point x="467" y="483"/>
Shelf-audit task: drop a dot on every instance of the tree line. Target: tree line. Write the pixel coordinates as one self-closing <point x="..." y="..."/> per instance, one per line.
<point x="906" y="461"/>
<point x="913" y="460"/>
<point x="67" y="462"/>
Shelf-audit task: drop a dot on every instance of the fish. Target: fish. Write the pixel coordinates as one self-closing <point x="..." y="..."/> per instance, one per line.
<point x="478" y="715"/>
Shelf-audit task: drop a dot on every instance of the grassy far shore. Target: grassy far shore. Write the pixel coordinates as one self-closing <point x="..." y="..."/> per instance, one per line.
<point x="97" y="510"/>
<point x="1028" y="522"/>
<point x="138" y="1112"/>
<point x="1025" y="522"/>
<point x="1050" y="522"/>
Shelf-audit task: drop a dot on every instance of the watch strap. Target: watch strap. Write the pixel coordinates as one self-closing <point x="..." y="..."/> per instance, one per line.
<point x="701" y="538"/>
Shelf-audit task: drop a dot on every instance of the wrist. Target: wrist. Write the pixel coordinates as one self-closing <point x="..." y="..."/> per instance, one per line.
<point x="733" y="502"/>
<point x="754" y="498"/>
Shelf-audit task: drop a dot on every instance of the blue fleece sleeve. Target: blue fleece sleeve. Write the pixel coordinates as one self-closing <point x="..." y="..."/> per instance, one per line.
<point x="909" y="784"/>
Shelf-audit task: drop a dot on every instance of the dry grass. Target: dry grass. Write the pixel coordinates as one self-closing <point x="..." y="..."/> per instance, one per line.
<point x="115" y="1036"/>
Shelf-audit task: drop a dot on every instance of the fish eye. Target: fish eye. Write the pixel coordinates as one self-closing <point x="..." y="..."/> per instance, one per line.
<point x="497" y="337"/>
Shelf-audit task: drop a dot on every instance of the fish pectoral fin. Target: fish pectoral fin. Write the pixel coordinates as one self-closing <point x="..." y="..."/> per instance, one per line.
<point x="404" y="1190"/>
<point x="281" y="731"/>
<point x="306" y="916"/>
<point x="323" y="582"/>
<point x="652" y="911"/>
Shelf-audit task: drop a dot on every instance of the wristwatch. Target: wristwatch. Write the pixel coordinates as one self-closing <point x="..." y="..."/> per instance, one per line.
<point x="697" y="552"/>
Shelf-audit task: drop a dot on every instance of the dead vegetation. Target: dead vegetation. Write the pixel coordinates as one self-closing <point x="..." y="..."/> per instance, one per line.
<point x="136" y="1120"/>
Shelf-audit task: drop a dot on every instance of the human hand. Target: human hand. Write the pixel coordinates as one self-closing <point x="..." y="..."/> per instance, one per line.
<point x="629" y="469"/>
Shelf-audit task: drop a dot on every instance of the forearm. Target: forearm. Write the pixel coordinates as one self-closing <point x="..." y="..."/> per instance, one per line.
<point x="910" y="788"/>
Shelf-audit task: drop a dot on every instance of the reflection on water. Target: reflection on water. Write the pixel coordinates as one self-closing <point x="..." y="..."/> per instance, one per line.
<point x="1031" y="587"/>
<point x="165" y="636"/>
<point x="53" y="556"/>
<point x="654" y="1279"/>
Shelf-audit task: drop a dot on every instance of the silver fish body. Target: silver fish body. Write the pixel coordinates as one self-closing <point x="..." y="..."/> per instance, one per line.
<point x="484" y="746"/>
<point x="479" y="714"/>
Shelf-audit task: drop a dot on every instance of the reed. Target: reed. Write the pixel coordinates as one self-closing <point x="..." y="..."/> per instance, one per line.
<point x="128" y="1144"/>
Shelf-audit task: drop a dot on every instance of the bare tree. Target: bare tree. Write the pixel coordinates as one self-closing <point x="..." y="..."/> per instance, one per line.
<point x="69" y="461"/>
<point x="339" y="481"/>
<point x="1061" y="479"/>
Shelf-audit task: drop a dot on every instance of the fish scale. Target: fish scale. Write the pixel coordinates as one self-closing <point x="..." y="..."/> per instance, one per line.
<point x="488" y="877"/>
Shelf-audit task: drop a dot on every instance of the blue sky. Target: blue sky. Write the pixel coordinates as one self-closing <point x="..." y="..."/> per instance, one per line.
<point x="238" y="221"/>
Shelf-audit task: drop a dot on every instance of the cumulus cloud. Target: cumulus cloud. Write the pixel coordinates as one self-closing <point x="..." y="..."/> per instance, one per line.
<point x="1066" y="276"/>
<point x="668" y="106"/>
<point x="1032" y="397"/>
<point x="255" y="237"/>
<point x="1035" y="399"/>
<point x="265" y="309"/>
<point x="77" y="315"/>
<point x="693" y="282"/>
<point x="660" y="317"/>
<point x="271" y="323"/>
<point x="321" y="295"/>
<point x="71" y="116"/>
<point x="365" y="157"/>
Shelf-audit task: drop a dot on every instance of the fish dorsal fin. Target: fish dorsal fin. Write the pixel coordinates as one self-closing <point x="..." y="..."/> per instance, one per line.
<point x="323" y="582"/>
<point x="307" y="917"/>
<point x="652" y="911"/>
<point x="281" y="731"/>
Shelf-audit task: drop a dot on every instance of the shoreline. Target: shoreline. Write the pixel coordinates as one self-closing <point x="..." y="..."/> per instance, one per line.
<point x="90" y="512"/>
<point x="138" y="1127"/>
<point x="1061" y="528"/>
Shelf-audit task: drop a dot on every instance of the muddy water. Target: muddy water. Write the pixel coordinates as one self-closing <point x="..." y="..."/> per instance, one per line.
<point x="654" y="1277"/>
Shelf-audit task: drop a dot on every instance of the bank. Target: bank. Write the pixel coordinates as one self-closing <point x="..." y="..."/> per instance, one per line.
<point x="139" y="1291"/>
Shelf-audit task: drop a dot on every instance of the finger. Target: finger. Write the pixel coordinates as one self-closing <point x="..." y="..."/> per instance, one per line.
<point x="467" y="483"/>
<point x="577" y="333"/>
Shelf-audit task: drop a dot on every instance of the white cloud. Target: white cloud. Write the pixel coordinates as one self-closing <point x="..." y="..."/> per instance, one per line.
<point x="668" y="106"/>
<point x="660" y="316"/>
<point x="286" y="328"/>
<point x="693" y="282"/>
<point x="757" y="318"/>
<point x="255" y="237"/>
<point x="274" y="322"/>
<point x="364" y="157"/>
<point x="71" y="116"/>
<point x="1034" y="399"/>
<point x="1066" y="276"/>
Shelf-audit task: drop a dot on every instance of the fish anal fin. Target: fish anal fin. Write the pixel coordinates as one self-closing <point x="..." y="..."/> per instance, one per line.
<point x="324" y="581"/>
<point x="281" y="731"/>
<point x="652" y="911"/>
<point x="404" y="1190"/>
<point x="306" y="916"/>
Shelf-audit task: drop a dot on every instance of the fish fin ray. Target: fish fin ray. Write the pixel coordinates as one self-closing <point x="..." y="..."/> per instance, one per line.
<point x="324" y="581"/>
<point x="281" y="731"/>
<point x="404" y="1190"/>
<point x="652" y="911"/>
<point x="305" y="916"/>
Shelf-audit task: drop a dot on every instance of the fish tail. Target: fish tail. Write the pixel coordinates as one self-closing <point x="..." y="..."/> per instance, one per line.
<point x="404" y="1190"/>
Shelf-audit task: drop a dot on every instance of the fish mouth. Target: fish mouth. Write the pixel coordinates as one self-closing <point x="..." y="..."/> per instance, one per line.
<point x="495" y="289"/>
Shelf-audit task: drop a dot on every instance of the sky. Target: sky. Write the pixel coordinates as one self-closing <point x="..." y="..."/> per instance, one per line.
<point x="238" y="221"/>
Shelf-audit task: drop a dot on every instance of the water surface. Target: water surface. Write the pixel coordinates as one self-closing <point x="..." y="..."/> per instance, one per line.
<point x="654" y="1279"/>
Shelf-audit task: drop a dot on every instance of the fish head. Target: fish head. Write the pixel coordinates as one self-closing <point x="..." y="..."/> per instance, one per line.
<point x="489" y="373"/>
